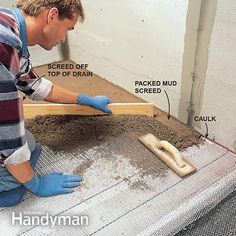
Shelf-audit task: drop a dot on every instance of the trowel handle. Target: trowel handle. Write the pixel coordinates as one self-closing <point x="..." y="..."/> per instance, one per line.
<point x="173" y="150"/>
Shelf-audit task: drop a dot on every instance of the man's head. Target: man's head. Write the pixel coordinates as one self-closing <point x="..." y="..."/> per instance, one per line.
<point x="53" y="18"/>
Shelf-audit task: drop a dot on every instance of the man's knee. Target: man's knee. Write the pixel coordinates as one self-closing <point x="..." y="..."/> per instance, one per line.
<point x="12" y="197"/>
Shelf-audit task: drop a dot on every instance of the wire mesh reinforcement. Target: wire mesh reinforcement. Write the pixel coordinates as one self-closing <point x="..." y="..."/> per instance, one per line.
<point x="170" y="206"/>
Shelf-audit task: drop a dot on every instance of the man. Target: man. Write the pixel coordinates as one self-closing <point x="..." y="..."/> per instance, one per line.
<point x="45" y="23"/>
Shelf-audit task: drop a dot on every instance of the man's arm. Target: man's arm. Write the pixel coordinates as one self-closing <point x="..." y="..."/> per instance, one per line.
<point x="61" y="95"/>
<point x="23" y="172"/>
<point x="45" y="185"/>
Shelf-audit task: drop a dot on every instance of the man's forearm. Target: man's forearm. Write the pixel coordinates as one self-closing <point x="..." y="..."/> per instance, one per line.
<point x="23" y="172"/>
<point x="61" y="95"/>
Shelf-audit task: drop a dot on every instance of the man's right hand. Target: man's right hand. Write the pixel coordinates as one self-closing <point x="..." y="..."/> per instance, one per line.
<point x="98" y="102"/>
<point x="53" y="184"/>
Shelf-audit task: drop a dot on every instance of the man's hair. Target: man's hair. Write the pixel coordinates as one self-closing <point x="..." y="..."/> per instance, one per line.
<point x="66" y="8"/>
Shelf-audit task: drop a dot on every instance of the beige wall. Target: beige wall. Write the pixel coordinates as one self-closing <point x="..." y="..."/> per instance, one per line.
<point x="192" y="42"/>
<point x="7" y="3"/>
<point x="218" y="92"/>
<point x="129" y="40"/>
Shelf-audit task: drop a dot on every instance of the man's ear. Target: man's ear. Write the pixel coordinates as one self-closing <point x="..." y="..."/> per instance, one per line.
<point x="53" y="14"/>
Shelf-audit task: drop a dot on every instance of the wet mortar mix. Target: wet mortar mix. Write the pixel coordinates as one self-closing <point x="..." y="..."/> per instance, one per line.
<point x="71" y="132"/>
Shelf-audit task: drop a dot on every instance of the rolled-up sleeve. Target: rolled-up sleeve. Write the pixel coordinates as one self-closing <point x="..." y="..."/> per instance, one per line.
<point x="41" y="89"/>
<point x="22" y="154"/>
<point x="30" y="83"/>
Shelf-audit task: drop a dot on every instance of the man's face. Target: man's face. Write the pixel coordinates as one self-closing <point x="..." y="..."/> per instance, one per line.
<point x="55" y="30"/>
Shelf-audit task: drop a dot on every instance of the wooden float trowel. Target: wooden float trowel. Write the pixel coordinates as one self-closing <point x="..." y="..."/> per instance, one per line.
<point x="169" y="154"/>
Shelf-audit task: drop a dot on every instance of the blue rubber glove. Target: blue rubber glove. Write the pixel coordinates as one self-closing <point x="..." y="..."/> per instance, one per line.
<point x="53" y="184"/>
<point x="98" y="102"/>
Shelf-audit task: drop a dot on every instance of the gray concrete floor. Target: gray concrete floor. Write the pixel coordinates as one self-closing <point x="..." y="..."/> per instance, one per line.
<point x="220" y="221"/>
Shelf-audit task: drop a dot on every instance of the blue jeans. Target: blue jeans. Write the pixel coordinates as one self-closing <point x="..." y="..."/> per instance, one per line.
<point x="7" y="181"/>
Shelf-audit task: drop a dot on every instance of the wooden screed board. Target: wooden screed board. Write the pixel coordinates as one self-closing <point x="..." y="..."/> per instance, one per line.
<point x="32" y="110"/>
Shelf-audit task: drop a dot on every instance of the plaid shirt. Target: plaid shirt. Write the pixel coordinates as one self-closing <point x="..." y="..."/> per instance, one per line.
<point x="16" y="74"/>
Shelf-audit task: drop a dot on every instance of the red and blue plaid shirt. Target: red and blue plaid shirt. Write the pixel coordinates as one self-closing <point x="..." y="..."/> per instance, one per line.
<point x="16" y="74"/>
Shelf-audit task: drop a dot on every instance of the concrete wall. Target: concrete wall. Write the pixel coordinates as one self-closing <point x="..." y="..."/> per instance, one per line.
<point x="38" y="55"/>
<point x="216" y="94"/>
<point x="125" y="41"/>
<point x="192" y="42"/>
<point x="7" y="3"/>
